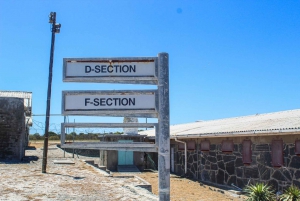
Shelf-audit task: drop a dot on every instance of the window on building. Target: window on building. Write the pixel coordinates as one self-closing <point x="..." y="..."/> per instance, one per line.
<point x="191" y="145"/>
<point x="205" y="145"/>
<point x="247" y="152"/>
<point x="180" y="146"/>
<point x="277" y="153"/>
<point x="227" y="146"/>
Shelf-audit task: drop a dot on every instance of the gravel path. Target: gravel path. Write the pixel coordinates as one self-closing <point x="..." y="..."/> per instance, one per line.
<point x="79" y="181"/>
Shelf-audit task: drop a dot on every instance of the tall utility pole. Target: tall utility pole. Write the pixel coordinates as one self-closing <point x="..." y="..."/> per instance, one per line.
<point x="55" y="28"/>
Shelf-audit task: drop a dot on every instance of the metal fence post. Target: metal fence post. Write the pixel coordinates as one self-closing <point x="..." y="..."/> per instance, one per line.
<point x="163" y="127"/>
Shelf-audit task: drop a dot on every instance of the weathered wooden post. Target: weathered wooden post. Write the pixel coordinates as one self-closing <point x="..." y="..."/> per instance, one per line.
<point x="54" y="29"/>
<point x="163" y="127"/>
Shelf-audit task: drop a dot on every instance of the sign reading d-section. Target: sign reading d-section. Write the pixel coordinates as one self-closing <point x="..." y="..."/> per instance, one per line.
<point x="133" y="70"/>
<point x="110" y="103"/>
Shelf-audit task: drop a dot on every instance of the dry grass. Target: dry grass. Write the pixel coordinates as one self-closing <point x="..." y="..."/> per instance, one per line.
<point x="188" y="190"/>
<point x="40" y="143"/>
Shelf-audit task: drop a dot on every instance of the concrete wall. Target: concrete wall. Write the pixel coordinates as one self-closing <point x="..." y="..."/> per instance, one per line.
<point x="112" y="160"/>
<point x="138" y="160"/>
<point x="12" y="128"/>
<point x="226" y="169"/>
<point x="27" y="98"/>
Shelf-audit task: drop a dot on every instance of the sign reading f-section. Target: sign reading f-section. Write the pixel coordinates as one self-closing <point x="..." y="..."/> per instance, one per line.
<point x="133" y="70"/>
<point x="110" y="103"/>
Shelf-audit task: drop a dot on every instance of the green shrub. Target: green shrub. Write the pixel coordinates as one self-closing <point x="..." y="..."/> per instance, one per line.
<point x="259" y="192"/>
<point x="291" y="194"/>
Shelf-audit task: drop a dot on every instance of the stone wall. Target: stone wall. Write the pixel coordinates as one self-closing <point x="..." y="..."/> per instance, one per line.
<point x="12" y="128"/>
<point x="226" y="169"/>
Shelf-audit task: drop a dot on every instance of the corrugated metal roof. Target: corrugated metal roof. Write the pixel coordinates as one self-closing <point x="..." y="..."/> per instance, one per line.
<point x="260" y="123"/>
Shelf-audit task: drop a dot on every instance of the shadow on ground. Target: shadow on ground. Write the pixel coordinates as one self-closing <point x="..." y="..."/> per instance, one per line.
<point x="26" y="159"/>
<point x="76" y="178"/>
<point x="30" y="148"/>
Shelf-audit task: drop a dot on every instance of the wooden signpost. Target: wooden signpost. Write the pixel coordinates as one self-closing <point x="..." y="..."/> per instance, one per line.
<point x="123" y="103"/>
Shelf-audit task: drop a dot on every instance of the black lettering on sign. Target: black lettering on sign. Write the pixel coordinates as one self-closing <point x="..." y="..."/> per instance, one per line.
<point x="88" y="69"/>
<point x="115" y="99"/>
<point x="102" y="101"/>
<point x="97" y="69"/>
<point x="132" y="68"/>
<point x="124" y="101"/>
<point x="125" y="69"/>
<point x="103" y="69"/>
<point x="110" y="69"/>
<point x="116" y="68"/>
<point x="109" y="101"/>
<point x="131" y="101"/>
<point x="86" y="101"/>
<point x="96" y="101"/>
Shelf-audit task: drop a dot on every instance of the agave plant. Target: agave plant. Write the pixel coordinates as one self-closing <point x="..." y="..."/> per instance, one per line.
<point x="259" y="192"/>
<point x="292" y="193"/>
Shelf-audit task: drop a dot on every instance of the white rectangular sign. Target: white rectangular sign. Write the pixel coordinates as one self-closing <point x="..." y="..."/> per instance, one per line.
<point x="109" y="102"/>
<point x="87" y="102"/>
<point x="108" y="70"/>
<point x="103" y="69"/>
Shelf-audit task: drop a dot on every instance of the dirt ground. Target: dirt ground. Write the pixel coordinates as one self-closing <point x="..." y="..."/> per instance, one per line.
<point x="182" y="189"/>
<point x="186" y="189"/>
<point x="70" y="179"/>
<point x="40" y="144"/>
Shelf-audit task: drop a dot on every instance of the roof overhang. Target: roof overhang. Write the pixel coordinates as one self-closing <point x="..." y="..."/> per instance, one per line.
<point x="236" y="134"/>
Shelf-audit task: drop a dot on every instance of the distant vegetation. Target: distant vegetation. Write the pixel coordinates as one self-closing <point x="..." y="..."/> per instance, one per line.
<point x="70" y="136"/>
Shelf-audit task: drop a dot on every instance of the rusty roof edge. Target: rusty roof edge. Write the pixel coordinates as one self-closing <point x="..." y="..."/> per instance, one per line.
<point x="239" y="134"/>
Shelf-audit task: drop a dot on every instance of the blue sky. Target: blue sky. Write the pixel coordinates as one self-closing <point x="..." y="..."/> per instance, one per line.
<point x="227" y="58"/>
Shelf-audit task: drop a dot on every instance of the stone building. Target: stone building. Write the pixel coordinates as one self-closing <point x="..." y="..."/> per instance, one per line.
<point x="239" y="151"/>
<point x="15" y="119"/>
